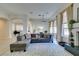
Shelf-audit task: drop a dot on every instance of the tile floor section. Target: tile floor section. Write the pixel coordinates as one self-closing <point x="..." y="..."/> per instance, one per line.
<point x="40" y="49"/>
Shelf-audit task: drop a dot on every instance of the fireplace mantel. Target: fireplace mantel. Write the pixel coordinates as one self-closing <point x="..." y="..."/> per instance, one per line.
<point x="76" y="25"/>
<point x="75" y="32"/>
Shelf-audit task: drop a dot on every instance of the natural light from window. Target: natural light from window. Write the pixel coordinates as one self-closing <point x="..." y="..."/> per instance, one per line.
<point x="65" y="30"/>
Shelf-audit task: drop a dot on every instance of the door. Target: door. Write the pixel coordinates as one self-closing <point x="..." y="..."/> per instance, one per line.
<point x="4" y="34"/>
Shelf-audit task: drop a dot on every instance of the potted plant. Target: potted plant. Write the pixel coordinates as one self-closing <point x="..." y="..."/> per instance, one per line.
<point x="16" y="32"/>
<point x="71" y="22"/>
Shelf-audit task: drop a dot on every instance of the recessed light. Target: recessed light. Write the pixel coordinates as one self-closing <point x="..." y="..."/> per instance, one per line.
<point x="46" y="12"/>
<point x="31" y="12"/>
<point x="39" y="15"/>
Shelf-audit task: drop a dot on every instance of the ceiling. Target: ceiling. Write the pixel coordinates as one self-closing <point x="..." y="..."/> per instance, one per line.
<point x="33" y="10"/>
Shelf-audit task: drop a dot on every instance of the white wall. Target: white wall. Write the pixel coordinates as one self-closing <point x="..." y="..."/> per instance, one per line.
<point x="75" y="6"/>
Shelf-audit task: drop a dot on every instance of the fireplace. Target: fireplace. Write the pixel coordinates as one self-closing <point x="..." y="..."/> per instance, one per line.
<point x="75" y="32"/>
<point x="78" y="38"/>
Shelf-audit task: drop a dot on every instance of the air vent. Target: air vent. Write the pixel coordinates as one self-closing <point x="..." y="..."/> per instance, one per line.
<point x="43" y="21"/>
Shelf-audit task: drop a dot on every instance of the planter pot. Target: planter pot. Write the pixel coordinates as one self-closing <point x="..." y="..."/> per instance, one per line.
<point x="72" y="44"/>
<point x="62" y="43"/>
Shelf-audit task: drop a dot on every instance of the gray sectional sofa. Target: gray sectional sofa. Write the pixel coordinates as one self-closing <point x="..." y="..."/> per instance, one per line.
<point x="41" y="40"/>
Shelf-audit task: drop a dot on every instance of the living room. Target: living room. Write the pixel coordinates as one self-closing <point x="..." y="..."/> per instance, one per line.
<point x="36" y="26"/>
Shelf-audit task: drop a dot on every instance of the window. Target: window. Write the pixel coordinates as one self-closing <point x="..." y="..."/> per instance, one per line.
<point x="55" y="28"/>
<point x="65" y="31"/>
<point x="19" y="27"/>
<point x="51" y="27"/>
<point x="13" y="26"/>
